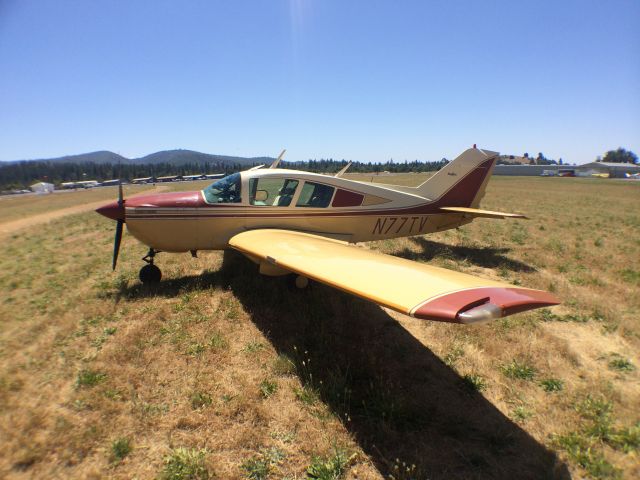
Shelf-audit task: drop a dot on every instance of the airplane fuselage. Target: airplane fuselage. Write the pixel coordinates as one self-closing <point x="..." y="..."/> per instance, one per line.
<point x="353" y="212"/>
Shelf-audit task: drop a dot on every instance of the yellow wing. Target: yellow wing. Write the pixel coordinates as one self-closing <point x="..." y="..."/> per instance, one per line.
<point x="476" y="212"/>
<point x="412" y="288"/>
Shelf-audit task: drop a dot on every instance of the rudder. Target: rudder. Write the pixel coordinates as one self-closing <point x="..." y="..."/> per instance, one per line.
<point x="462" y="182"/>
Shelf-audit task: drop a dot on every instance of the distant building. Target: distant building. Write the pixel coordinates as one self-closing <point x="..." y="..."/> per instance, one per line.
<point x="80" y="184"/>
<point x="108" y="183"/>
<point x="615" y="170"/>
<point x="169" y="178"/>
<point x="189" y="178"/>
<point x="141" y="180"/>
<point x="88" y="183"/>
<point x="528" y="170"/>
<point x="42" y="187"/>
<point x="212" y="176"/>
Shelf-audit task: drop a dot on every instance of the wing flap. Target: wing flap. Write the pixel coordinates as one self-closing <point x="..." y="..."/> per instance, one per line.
<point x="476" y="212"/>
<point x="408" y="287"/>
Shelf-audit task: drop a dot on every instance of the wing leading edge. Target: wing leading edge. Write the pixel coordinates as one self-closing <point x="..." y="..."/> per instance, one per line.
<point x="476" y="212"/>
<point x="412" y="288"/>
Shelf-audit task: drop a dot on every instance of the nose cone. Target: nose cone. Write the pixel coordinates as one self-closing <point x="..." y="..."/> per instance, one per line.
<point x="112" y="210"/>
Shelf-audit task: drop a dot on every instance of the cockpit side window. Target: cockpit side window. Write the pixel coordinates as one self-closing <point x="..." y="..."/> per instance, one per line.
<point x="315" y="195"/>
<point x="225" y="190"/>
<point x="274" y="192"/>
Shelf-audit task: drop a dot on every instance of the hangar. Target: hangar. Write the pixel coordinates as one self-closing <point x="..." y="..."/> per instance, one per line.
<point x="615" y="170"/>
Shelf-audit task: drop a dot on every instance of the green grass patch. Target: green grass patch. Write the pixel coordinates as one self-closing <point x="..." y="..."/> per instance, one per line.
<point x="522" y="413"/>
<point x="630" y="276"/>
<point x="552" y="385"/>
<point x="626" y="439"/>
<point x="580" y="450"/>
<point x="331" y="467"/>
<point x="120" y="448"/>
<point x="89" y="378"/>
<point x="185" y="464"/>
<point x="217" y="341"/>
<point x="256" y="468"/>
<point x="195" y="349"/>
<point x="621" y="364"/>
<point x="260" y="466"/>
<point x="453" y="355"/>
<point x="518" y="370"/>
<point x="474" y="382"/>
<point x="200" y="400"/>
<point x="254" y="347"/>
<point x="307" y="395"/>
<point x="268" y="388"/>
<point x="283" y="365"/>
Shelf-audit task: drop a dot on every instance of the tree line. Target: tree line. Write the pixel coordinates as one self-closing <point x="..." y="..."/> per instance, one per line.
<point x="21" y="175"/>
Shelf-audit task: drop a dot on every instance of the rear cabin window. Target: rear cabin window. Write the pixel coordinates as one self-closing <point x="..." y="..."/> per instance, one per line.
<point x="225" y="190"/>
<point x="345" y="198"/>
<point x="274" y="192"/>
<point x="315" y="195"/>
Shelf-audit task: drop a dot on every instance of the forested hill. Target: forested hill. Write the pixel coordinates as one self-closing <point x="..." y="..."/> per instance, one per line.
<point x="184" y="157"/>
<point x="174" y="157"/>
<point x="105" y="165"/>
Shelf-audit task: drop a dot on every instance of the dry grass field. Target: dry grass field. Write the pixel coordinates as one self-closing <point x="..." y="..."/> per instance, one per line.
<point x="16" y="207"/>
<point x="218" y="372"/>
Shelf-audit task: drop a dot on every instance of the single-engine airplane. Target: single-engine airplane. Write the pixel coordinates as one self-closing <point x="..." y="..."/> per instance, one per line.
<point x="304" y="223"/>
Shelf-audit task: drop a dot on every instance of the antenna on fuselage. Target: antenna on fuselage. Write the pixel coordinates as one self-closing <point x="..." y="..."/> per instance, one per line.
<point x="277" y="160"/>
<point x="341" y="172"/>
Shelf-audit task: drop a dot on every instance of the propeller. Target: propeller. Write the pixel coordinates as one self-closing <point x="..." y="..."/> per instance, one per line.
<point x="119" y="225"/>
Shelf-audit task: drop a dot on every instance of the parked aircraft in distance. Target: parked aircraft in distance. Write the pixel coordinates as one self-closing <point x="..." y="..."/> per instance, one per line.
<point x="304" y="223"/>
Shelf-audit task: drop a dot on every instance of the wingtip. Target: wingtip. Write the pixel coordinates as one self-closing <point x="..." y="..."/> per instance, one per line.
<point x="477" y="305"/>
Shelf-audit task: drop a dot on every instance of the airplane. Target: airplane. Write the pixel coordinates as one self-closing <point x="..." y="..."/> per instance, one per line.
<point x="307" y="224"/>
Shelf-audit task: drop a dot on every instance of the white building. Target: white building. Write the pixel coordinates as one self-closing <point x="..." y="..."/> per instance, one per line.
<point x="42" y="187"/>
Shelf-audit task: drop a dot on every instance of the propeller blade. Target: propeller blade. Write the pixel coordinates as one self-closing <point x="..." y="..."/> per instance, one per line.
<point x="120" y="195"/>
<point x="116" y="243"/>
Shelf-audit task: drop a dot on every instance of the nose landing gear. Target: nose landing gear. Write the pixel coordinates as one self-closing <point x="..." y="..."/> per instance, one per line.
<point x="150" y="273"/>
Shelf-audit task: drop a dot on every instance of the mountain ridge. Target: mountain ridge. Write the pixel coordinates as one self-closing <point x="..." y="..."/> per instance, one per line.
<point x="174" y="157"/>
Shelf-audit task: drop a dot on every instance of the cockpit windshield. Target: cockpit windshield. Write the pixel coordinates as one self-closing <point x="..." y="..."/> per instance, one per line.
<point x="225" y="190"/>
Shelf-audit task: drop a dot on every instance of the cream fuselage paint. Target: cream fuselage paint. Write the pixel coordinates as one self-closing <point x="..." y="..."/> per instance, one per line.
<point x="182" y="228"/>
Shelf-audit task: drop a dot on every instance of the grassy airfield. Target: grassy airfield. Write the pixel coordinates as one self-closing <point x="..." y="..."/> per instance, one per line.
<point x="221" y="373"/>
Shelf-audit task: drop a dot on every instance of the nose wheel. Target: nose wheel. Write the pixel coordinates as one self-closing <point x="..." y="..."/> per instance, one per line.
<point x="150" y="273"/>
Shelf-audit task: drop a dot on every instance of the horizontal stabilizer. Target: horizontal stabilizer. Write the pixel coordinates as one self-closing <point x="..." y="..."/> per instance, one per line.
<point x="412" y="288"/>
<point x="476" y="212"/>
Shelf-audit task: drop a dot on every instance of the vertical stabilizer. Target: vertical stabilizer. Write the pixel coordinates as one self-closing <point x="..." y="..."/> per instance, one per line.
<point x="462" y="182"/>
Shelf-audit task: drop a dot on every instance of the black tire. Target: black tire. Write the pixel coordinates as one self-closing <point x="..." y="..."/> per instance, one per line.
<point x="150" y="274"/>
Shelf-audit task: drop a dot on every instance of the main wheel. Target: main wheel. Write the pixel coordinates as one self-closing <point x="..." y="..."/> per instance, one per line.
<point x="302" y="282"/>
<point x="150" y="274"/>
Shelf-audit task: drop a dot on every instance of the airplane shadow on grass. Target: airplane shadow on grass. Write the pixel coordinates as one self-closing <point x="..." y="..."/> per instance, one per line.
<point x="487" y="257"/>
<point x="396" y="398"/>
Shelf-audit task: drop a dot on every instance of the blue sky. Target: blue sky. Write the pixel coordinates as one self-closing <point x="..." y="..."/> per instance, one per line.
<point x="361" y="80"/>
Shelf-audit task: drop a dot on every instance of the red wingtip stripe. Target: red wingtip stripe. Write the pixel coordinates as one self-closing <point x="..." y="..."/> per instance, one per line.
<point x="510" y="300"/>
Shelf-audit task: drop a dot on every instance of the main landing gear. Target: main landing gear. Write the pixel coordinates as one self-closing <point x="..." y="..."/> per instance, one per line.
<point x="150" y="273"/>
